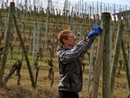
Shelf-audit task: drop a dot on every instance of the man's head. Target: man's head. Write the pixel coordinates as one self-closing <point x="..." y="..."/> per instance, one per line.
<point x="67" y="38"/>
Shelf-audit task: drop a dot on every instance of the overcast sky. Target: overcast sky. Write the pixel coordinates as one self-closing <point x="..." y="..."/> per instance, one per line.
<point x="120" y="2"/>
<point x="61" y="2"/>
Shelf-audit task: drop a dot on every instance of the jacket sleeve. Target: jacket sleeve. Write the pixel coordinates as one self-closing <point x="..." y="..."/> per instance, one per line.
<point x="79" y="50"/>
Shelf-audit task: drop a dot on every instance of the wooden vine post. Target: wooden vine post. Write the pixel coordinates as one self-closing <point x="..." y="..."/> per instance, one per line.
<point x="116" y="53"/>
<point x="98" y="61"/>
<point x="126" y="58"/>
<point x="126" y="62"/>
<point x="7" y="32"/>
<point x="24" y="50"/>
<point x="106" y="88"/>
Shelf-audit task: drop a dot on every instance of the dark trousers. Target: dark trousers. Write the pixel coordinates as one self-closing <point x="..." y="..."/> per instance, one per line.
<point x="65" y="94"/>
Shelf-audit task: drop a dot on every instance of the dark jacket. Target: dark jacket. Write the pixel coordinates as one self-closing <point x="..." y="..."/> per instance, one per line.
<point x="70" y="66"/>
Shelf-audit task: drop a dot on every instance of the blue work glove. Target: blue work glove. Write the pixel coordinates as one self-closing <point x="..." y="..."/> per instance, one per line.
<point x="96" y="30"/>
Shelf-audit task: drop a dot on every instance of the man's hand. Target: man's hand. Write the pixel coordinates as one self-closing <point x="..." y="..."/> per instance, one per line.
<point x="96" y="30"/>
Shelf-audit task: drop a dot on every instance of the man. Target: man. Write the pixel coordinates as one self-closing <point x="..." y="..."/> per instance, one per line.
<point x="69" y="59"/>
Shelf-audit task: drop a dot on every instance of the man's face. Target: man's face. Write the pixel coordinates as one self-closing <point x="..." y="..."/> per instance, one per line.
<point x="70" y="41"/>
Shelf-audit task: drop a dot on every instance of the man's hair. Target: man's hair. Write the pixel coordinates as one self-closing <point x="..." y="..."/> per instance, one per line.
<point x="63" y="35"/>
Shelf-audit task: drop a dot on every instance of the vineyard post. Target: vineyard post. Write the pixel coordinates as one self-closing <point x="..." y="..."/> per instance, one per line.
<point x="99" y="59"/>
<point x="126" y="62"/>
<point x="117" y="52"/>
<point x="90" y="69"/>
<point x="25" y="13"/>
<point x="24" y="49"/>
<point x="34" y="45"/>
<point x="1" y="29"/>
<point x="47" y="23"/>
<point x="129" y="26"/>
<point x="106" y="88"/>
<point x="7" y="32"/>
<point x="126" y="59"/>
<point x="92" y="49"/>
<point x="5" y="25"/>
<point x="38" y="36"/>
<point x="129" y="58"/>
